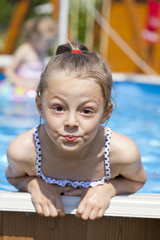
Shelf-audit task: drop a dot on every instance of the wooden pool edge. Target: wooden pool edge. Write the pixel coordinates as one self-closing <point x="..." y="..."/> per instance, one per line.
<point x="128" y="217"/>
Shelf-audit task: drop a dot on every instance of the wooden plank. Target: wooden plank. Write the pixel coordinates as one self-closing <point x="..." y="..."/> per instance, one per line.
<point x="56" y="9"/>
<point x="19" y="226"/>
<point x="119" y="21"/>
<point x="104" y="38"/>
<point x="136" y="30"/>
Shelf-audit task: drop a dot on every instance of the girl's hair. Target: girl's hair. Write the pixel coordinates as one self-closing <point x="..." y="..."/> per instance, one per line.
<point x="39" y="26"/>
<point x="84" y="65"/>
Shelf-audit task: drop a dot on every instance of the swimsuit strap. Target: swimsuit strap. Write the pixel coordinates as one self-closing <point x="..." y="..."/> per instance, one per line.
<point x="106" y="154"/>
<point x="38" y="149"/>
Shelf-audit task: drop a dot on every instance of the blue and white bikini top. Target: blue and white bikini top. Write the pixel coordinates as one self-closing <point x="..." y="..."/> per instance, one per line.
<point x="75" y="184"/>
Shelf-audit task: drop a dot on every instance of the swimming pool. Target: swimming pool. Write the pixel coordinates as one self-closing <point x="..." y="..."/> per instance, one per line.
<point x="137" y="115"/>
<point x="15" y="118"/>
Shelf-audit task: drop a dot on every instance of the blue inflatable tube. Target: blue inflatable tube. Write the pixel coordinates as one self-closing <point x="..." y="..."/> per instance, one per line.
<point x="10" y="93"/>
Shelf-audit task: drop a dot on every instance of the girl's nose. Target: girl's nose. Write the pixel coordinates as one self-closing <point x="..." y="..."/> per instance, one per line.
<point x="71" y="121"/>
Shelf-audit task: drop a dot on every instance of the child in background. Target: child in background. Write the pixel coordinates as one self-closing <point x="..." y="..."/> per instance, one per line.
<point x="72" y="153"/>
<point x="28" y="60"/>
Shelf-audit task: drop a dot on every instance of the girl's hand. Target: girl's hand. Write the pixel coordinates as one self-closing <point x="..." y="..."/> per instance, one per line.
<point x="94" y="201"/>
<point x="46" y="198"/>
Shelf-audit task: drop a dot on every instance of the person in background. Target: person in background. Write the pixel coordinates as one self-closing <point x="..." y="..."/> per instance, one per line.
<point x="73" y="153"/>
<point x="29" y="59"/>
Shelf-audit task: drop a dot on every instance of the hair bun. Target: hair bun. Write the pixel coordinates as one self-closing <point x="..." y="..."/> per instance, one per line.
<point x="62" y="49"/>
<point x="69" y="47"/>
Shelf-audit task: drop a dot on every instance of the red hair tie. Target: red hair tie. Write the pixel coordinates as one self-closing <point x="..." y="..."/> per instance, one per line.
<point x="76" y="51"/>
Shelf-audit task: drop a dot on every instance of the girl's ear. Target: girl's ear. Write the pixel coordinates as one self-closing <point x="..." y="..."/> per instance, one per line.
<point x="107" y="112"/>
<point x="39" y="106"/>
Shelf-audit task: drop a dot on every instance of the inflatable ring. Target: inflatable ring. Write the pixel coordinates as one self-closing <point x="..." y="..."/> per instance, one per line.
<point x="11" y="93"/>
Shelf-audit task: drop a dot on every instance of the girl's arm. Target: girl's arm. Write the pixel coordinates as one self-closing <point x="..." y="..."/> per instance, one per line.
<point x="131" y="177"/>
<point x="10" y="71"/>
<point x="46" y="198"/>
<point x="21" y="155"/>
<point x="95" y="200"/>
<point x="18" y="58"/>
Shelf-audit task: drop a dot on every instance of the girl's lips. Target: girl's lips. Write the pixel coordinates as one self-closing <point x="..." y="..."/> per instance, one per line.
<point x="70" y="138"/>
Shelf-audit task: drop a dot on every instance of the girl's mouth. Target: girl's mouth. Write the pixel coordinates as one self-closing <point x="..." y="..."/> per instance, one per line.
<point x="70" y="138"/>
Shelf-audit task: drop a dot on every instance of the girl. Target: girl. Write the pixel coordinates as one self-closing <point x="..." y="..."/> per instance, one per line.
<point x="28" y="60"/>
<point x="71" y="153"/>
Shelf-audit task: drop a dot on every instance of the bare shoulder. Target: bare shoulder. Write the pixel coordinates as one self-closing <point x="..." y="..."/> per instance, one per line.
<point x="23" y="48"/>
<point x="22" y="148"/>
<point x="123" y="149"/>
<point x="125" y="158"/>
<point x="23" y="52"/>
<point x="20" y="55"/>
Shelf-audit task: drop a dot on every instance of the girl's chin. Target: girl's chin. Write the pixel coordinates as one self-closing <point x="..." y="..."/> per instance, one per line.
<point x="70" y="147"/>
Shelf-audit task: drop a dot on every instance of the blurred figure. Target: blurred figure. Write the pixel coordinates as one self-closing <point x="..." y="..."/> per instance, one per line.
<point x="28" y="60"/>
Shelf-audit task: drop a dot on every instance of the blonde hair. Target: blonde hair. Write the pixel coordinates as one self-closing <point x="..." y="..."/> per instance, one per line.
<point x="85" y="65"/>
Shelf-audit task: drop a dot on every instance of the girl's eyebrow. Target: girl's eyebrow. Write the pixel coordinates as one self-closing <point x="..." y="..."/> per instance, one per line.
<point x="81" y="103"/>
<point x="61" y="98"/>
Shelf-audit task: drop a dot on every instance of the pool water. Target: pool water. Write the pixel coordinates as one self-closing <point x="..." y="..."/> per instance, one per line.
<point x="137" y="115"/>
<point x="15" y="118"/>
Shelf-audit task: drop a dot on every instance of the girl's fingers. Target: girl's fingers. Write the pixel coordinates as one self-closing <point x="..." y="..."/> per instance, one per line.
<point x="52" y="209"/>
<point x="46" y="210"/>
<point x="100" y="213"/>
<point x="93" y="214"/>
<point x="90" y="213"/>
<point x="38" y="209"/>
<point x="59" y="207"/>
<point x="81" y="210"/>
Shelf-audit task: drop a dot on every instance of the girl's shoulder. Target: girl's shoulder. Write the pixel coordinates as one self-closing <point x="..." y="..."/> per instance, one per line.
<point x="22" y="148"/>
<point x="116" y="136"/>
<point x="24" y="51"/>
<point x="123" y="149"/>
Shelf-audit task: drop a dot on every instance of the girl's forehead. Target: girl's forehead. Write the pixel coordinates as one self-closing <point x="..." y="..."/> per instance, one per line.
<point x="73" y="85"/>
<point x="62" y="79"/>
<point x="68" y="76"/>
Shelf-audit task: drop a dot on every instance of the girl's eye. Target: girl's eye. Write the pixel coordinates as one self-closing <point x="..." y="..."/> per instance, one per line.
<point x="58" y="109"/>
<point x="87" y="111"/>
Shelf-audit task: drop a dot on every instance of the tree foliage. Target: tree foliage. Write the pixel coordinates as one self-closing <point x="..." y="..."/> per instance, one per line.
<point x="7" y="8"/>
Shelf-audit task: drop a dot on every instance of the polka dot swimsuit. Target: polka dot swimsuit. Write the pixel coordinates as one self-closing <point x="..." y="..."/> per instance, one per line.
<point x="65" y="182"/>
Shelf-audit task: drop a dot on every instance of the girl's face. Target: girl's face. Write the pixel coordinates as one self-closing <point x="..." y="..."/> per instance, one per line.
<point x="43" y="42"/>
<point x="72" y="110"/>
